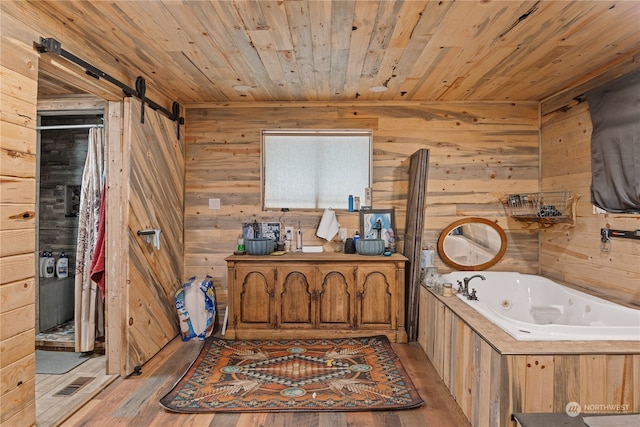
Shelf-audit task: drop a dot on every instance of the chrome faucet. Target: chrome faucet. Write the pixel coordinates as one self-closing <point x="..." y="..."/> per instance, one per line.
<point x="466" y="280"/>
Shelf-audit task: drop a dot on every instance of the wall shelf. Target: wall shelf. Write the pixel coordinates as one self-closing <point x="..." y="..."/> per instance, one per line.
<point x="542" y="210"/>
<point x="545" y="222"/>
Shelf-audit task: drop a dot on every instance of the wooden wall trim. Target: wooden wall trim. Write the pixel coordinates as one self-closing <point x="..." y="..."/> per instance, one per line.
<point x="316" y="104"/>
<point x="117" y="250"/>
<point x="71" y="103"/>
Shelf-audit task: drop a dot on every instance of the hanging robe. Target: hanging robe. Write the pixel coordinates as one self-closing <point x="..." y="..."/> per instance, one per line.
<point x="87" y="303"/>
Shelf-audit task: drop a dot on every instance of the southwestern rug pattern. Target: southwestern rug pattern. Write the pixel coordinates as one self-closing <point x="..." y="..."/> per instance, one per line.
<point x="343" y="374"/>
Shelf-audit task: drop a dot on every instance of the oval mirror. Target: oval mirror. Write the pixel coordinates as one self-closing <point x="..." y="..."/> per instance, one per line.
<point x="472" y="244"/>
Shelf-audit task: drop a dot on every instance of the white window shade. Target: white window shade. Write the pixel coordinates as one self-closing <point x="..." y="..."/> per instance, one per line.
<point x="314" y="169"/>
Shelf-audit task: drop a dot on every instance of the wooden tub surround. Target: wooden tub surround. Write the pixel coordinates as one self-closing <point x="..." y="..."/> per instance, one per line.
<point x="491" y="375"/>
<point x="316" y="295"/>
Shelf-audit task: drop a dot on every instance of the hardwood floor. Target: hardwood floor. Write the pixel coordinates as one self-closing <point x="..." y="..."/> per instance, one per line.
<point x="133" y="401"/>
<point x="58" y="396"/>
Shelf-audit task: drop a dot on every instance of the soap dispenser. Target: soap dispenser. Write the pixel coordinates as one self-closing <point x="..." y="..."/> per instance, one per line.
<point x="50" y="266"/>
<point x="43" y="263"/>
<point x="62" y="266"/>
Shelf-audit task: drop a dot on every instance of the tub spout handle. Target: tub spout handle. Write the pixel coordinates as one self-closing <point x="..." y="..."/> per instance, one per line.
<point x="465" y="291"/>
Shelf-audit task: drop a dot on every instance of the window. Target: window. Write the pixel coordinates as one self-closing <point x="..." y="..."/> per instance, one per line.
<point x="314" y="169"/>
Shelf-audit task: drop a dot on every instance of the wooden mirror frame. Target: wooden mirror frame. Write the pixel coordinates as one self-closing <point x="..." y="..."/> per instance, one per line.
<point x="456" y="224"/>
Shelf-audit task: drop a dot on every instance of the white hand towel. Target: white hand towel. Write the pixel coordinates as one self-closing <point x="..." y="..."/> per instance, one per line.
<point x="329" y="225"/>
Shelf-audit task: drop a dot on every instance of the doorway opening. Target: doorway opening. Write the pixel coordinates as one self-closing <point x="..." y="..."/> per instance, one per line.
<point x="63" y="147"/>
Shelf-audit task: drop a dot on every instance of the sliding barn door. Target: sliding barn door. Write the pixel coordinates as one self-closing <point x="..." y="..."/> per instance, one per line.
<point x="155" y="202"/>
<point x="418" y="168"/>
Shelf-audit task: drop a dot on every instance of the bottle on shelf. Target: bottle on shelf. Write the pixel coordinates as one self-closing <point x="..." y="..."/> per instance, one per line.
<point x="43" y="262"/>
<point x="299" y="239"/>
<point x="62" y="266"/>
<point x="50" y="266"/>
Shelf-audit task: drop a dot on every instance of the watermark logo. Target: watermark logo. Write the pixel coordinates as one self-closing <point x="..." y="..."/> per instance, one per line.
<point x="573" y="409"/>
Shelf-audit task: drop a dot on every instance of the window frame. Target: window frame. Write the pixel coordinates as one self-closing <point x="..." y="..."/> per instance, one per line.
<point x="265" y="133"/>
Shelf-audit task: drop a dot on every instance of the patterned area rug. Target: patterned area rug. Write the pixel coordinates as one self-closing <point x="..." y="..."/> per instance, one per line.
<point x="345" y="374"/>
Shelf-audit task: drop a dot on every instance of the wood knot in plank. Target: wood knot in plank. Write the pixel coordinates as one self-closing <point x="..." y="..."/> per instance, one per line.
<point x="24" y="215"/>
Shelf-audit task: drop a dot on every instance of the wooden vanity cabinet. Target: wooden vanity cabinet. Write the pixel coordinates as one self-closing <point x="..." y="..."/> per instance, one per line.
<point x="375" y="300"/>
<point x="316" y="296"/>
<point x="255" y="304"/>
<point x="335" y="286"/>
<point x="311" y="297"/>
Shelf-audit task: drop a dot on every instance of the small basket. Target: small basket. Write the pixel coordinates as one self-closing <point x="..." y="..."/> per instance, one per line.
<point x="540" y="205"/>
<point x="262" y="246"/>
<point x="370" y="246"/>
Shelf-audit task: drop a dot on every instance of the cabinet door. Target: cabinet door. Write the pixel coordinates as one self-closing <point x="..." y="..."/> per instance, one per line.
<point x="254" y="297"/>
<point x="335" y="289"/>
<point x="375" y="296"/>
<point x="295" y="297"/>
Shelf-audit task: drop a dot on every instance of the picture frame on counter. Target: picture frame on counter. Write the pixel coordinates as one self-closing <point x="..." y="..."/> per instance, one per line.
<point x="370" y="219"/>
<point x="257" y="230"/>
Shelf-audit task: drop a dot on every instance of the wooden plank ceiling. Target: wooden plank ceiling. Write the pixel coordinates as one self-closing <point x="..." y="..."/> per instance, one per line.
<point x="302" y="50"/>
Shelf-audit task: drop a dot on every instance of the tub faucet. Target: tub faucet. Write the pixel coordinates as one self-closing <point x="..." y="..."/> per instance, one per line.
<point x="466" y="280"/>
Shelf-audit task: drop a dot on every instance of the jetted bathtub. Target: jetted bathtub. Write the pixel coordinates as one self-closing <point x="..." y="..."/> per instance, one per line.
<point x="533" y="308"/>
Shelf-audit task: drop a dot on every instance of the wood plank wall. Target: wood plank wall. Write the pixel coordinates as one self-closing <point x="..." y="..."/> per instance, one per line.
<point x="574" y="255"/>
<point x="476" y="151"/>
<point x="17" y="232"/>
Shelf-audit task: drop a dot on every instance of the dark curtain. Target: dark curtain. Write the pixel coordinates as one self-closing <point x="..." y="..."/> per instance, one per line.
<point x="615" y="144"/>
